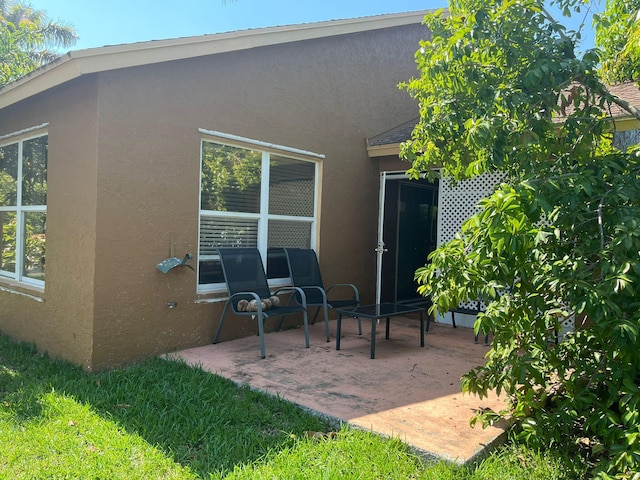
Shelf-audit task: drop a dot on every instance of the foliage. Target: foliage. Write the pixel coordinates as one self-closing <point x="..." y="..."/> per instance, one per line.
<point x="618" y="35"/>
<point x="28" y="39"/>
<point x="502" y="88"/>
<point x="227" y="173"/>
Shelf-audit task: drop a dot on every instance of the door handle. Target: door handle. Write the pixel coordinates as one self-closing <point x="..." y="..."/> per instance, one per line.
<point x="380" y="248"/>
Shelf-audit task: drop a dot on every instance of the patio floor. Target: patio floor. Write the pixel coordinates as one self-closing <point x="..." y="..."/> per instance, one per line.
<point x="407" y="392"/>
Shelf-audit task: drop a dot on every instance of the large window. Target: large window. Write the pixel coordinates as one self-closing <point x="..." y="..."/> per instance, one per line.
<point x="254" y="196"/>
<point x="23" y="208"/>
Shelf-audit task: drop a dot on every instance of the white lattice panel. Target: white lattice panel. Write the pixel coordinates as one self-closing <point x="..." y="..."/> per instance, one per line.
<point x="458" y="202"/>
<point x="567" y="325"/>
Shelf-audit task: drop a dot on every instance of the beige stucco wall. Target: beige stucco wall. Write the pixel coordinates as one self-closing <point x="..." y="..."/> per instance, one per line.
<point x="132" y="171"/>
<point x="60" y="318"/>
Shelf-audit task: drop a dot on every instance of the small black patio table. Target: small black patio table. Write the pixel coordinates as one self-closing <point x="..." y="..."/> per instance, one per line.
<point x="376" y="312"/>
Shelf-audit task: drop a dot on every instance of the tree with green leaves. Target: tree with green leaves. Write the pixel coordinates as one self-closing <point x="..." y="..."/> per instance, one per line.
<point x="618" y="35"/>
<point x="502" y="87"/>
<point x="28" y="39"/>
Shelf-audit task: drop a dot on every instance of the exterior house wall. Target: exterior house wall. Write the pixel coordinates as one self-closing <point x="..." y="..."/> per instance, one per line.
<point x="60" y="318"/>
<point x="124" y="157"/>
<point x="324" y="96"/>
<point x="393" y="164"/>
<point x="626" y="139"/>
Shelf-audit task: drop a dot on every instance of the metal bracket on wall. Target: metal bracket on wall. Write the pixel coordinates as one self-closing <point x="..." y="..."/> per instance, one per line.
<point x="169" y="263"/>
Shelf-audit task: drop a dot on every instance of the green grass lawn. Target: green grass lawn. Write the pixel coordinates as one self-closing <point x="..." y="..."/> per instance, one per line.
<point x="165" y="420"/>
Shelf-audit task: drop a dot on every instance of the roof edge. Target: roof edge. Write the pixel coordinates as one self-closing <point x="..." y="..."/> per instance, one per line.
<point x="392" y="149"/>
<point x="619" y="124"/>
<point x="83" y="62"/>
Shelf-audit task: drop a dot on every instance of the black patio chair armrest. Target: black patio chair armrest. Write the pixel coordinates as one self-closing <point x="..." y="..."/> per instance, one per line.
<point x="299" y="290"/>
<point x="351" y="285"/>
<point x="320" y="290"/>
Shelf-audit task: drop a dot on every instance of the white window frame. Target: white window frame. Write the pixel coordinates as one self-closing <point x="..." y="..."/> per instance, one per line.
<point x="20" y="210"/>
<point x="263" y="216"/>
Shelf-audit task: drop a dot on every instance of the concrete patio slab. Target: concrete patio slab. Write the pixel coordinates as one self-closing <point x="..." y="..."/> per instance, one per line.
<point x="406" y="392"/>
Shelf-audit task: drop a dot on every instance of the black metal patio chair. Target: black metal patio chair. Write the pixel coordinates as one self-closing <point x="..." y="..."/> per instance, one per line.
<point x="246" y="281"/>
<point x="473" y="307"/>
<point x="305" y="274"/>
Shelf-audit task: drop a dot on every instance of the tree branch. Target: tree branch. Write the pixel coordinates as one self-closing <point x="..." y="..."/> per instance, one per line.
<point x="600" y="89"/>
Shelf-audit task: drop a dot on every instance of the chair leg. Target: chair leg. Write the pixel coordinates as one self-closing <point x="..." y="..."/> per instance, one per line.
<point x="306" y="328"/>
<point x="326" y="320"/>
<point x="219" y="329"/>
<point x="261" y="320"/>
<point x="359" y="326"/>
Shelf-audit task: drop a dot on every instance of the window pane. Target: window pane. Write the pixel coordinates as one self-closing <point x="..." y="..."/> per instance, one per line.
<point x="277" y="266"/>
<point x="210" y="271"/>
<point x="291" y="187"/>
<point x="35" y="228"/>
<point x="230" y="179"/>
<point x="8" y="174"/>
<point x="34" y="171"/>
<point x="218" y="232"/>
<point x="285" y="233"/>
<point x="8" y="241"/>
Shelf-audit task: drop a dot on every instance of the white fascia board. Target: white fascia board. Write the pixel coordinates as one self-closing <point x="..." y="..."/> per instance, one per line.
<point x="392" y="149"/>
<point x="60" y="71"/>
<point x="93" y="60"/>
<point x="235" y="139"/>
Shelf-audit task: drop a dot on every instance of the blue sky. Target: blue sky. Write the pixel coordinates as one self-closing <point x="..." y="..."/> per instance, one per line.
<point x="100" y="23"/>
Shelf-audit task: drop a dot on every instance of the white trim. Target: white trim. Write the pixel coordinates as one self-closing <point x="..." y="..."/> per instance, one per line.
<point x="260" y="143"/>
<point x="23" y="131"/>
<point x="315" y="227"/>
<point x="209" y="288"/>
<point x="220" y="213"/>
<point x="34" y="208"/>
<point x="380" y="250"/>
<point x="211" y="300"/>
<point x="392" y="149"/>
<point x="20" y="218"/>
<point x="263" y="221"/>
<point x="19" y="210"/>
<point x="263" y="216"/>
<point x="18" y="292"/>
<point x="397" y="175"/>
<point x="380" y="245"/>
<point x="290" y="218"/>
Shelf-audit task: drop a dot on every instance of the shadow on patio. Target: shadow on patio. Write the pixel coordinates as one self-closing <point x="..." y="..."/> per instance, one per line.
<point x="407" y="392"/>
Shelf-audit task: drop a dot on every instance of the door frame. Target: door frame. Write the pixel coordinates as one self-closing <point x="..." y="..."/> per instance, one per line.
<point x="380" y="246"/>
